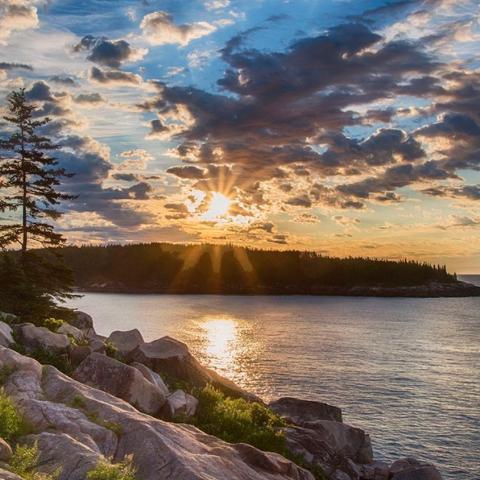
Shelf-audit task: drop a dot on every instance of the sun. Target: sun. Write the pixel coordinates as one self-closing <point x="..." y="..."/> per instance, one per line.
<point x="218" y="207"/>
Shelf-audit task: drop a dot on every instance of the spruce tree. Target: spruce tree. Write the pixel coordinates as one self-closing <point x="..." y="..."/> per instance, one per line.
<point x="29" y="199"/>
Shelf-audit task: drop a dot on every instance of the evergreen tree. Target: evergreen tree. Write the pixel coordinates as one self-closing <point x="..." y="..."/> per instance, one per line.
<point x="29" y="180"/>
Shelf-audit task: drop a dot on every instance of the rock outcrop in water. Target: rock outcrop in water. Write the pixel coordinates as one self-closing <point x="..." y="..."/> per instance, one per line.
<point x="110" y="410"/>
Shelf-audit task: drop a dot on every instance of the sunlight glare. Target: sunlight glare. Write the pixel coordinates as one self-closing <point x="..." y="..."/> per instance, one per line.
<point x="218" y="207"/>
<point x="221" y="336"/>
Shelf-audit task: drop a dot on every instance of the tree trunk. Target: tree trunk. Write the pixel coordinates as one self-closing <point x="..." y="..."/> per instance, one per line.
<point x="24" y="200"/>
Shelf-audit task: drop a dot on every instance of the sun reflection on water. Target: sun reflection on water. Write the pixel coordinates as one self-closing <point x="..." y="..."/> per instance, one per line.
<point x="221" y="338"/>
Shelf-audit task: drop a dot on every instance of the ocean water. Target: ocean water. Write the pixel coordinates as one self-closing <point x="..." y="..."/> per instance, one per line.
<point x="405" y="370"/>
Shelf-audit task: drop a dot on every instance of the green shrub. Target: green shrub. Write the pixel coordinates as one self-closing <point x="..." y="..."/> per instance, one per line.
<point x="12" y="424"/>
<point x="111" y="349"/>
<point x="24" y="462"/>
<point x="235" y="420"/>
<point x="46" y="357"/>
<point x="82" y="342"/>
<point x="53" y="324"/>
<point x="113" y="471"/>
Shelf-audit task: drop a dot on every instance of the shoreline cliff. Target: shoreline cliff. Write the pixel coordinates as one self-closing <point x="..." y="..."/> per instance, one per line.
<point x="93" y="403"/>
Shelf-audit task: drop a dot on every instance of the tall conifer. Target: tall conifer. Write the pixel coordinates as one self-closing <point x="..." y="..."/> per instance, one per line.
<point x="29" y="199"/>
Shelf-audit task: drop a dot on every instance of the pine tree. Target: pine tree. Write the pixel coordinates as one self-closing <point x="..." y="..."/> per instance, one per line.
<point x="29" y="177"/>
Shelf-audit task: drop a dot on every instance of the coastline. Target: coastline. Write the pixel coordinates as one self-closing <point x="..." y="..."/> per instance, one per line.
<point x="458" y="289"/>
<point x="143" y="403"/>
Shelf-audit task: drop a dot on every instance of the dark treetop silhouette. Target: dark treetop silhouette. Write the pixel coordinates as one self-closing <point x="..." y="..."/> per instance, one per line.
<point x="29" y="181"/>
<point x="173" y="268"/>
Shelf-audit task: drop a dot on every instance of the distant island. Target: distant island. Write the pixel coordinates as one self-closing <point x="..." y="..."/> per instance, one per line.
<point x="228" y="269"/>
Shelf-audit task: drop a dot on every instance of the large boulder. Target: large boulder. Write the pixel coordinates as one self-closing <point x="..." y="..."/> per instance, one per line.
<point x="374" y="471"/>
<point x="160" y="450"/>
<point x="78" y="353"/>
<point x="81" y="320"/>
<point x="84" y="322"/>
<point x="412" y="469"/>
<point x="179" y="405"/>
<point x="152" y="377"/>
<point x="121" y="380"/>
<point x="300" y="411"/>
<point x="75" y="458"/>
<point x="72" y="331"/>
<point x="6" y="338"/>
<point x="425" y="472"/>
<point x="33" y="337"/>
<point x="334" y="446"/>
<point x="172" y="358"/>
<point x="97" y="343"/>
<point x="126" y="342"/>
<point x="343" y="439"/>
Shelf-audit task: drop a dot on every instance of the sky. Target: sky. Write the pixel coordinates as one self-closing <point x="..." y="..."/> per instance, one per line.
<point x="345" y="127"/>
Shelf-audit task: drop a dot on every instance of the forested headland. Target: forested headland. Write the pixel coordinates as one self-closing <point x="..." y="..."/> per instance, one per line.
<point x="227" y="269"/>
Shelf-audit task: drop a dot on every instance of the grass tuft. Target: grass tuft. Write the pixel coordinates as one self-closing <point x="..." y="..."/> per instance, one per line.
<point x="12" y="424"/>
<point x="24" y="463"/>
<point x="113" y="471"/>
<point x="53" y="324"/>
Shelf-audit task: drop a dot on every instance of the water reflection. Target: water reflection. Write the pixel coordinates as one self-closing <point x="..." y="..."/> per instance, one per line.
<point x="406" y="370"/>
<point x="220" y="340"/>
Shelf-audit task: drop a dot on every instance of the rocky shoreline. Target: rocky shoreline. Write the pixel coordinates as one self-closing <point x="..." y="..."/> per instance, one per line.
<point x="431" y="290"/>
<point x="124" y="398"/>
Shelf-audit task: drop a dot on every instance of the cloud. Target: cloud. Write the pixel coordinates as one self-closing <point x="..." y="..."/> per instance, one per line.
<point x="468" y="192"/>
<point x="114" y="77"/>
<point x="64" y="80"/>
<point x="89" y="161"/>
<point x="216" y="4"/>
<point x="16" y="15"/>
<point x="109" y="53"/>
<point x="136" y="159"/>
<point x="300" y="201"/>
<point x="396" y="177"/>
<point x="125" y="177"/>
<point x="188" y="171"/>
<point x="457" y="221"/>
<point x="15" y="66"/>
<point x="89" y="99"/>
<point x="310" y="90"/>
<point x="159" y="29"/>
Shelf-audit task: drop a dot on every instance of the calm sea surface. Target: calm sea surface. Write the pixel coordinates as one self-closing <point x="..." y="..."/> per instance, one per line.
<point x="405" y="370"/>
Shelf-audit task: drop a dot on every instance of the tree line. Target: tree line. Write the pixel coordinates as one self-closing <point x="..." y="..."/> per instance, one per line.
<point x="163" y="267"/>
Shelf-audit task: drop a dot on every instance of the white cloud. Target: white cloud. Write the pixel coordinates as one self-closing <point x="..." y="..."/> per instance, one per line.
<point x="216" y="4"/>
<point x="16" y="15"/>
<point x="200" y="58"/>
<point x="159" y="29"/>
